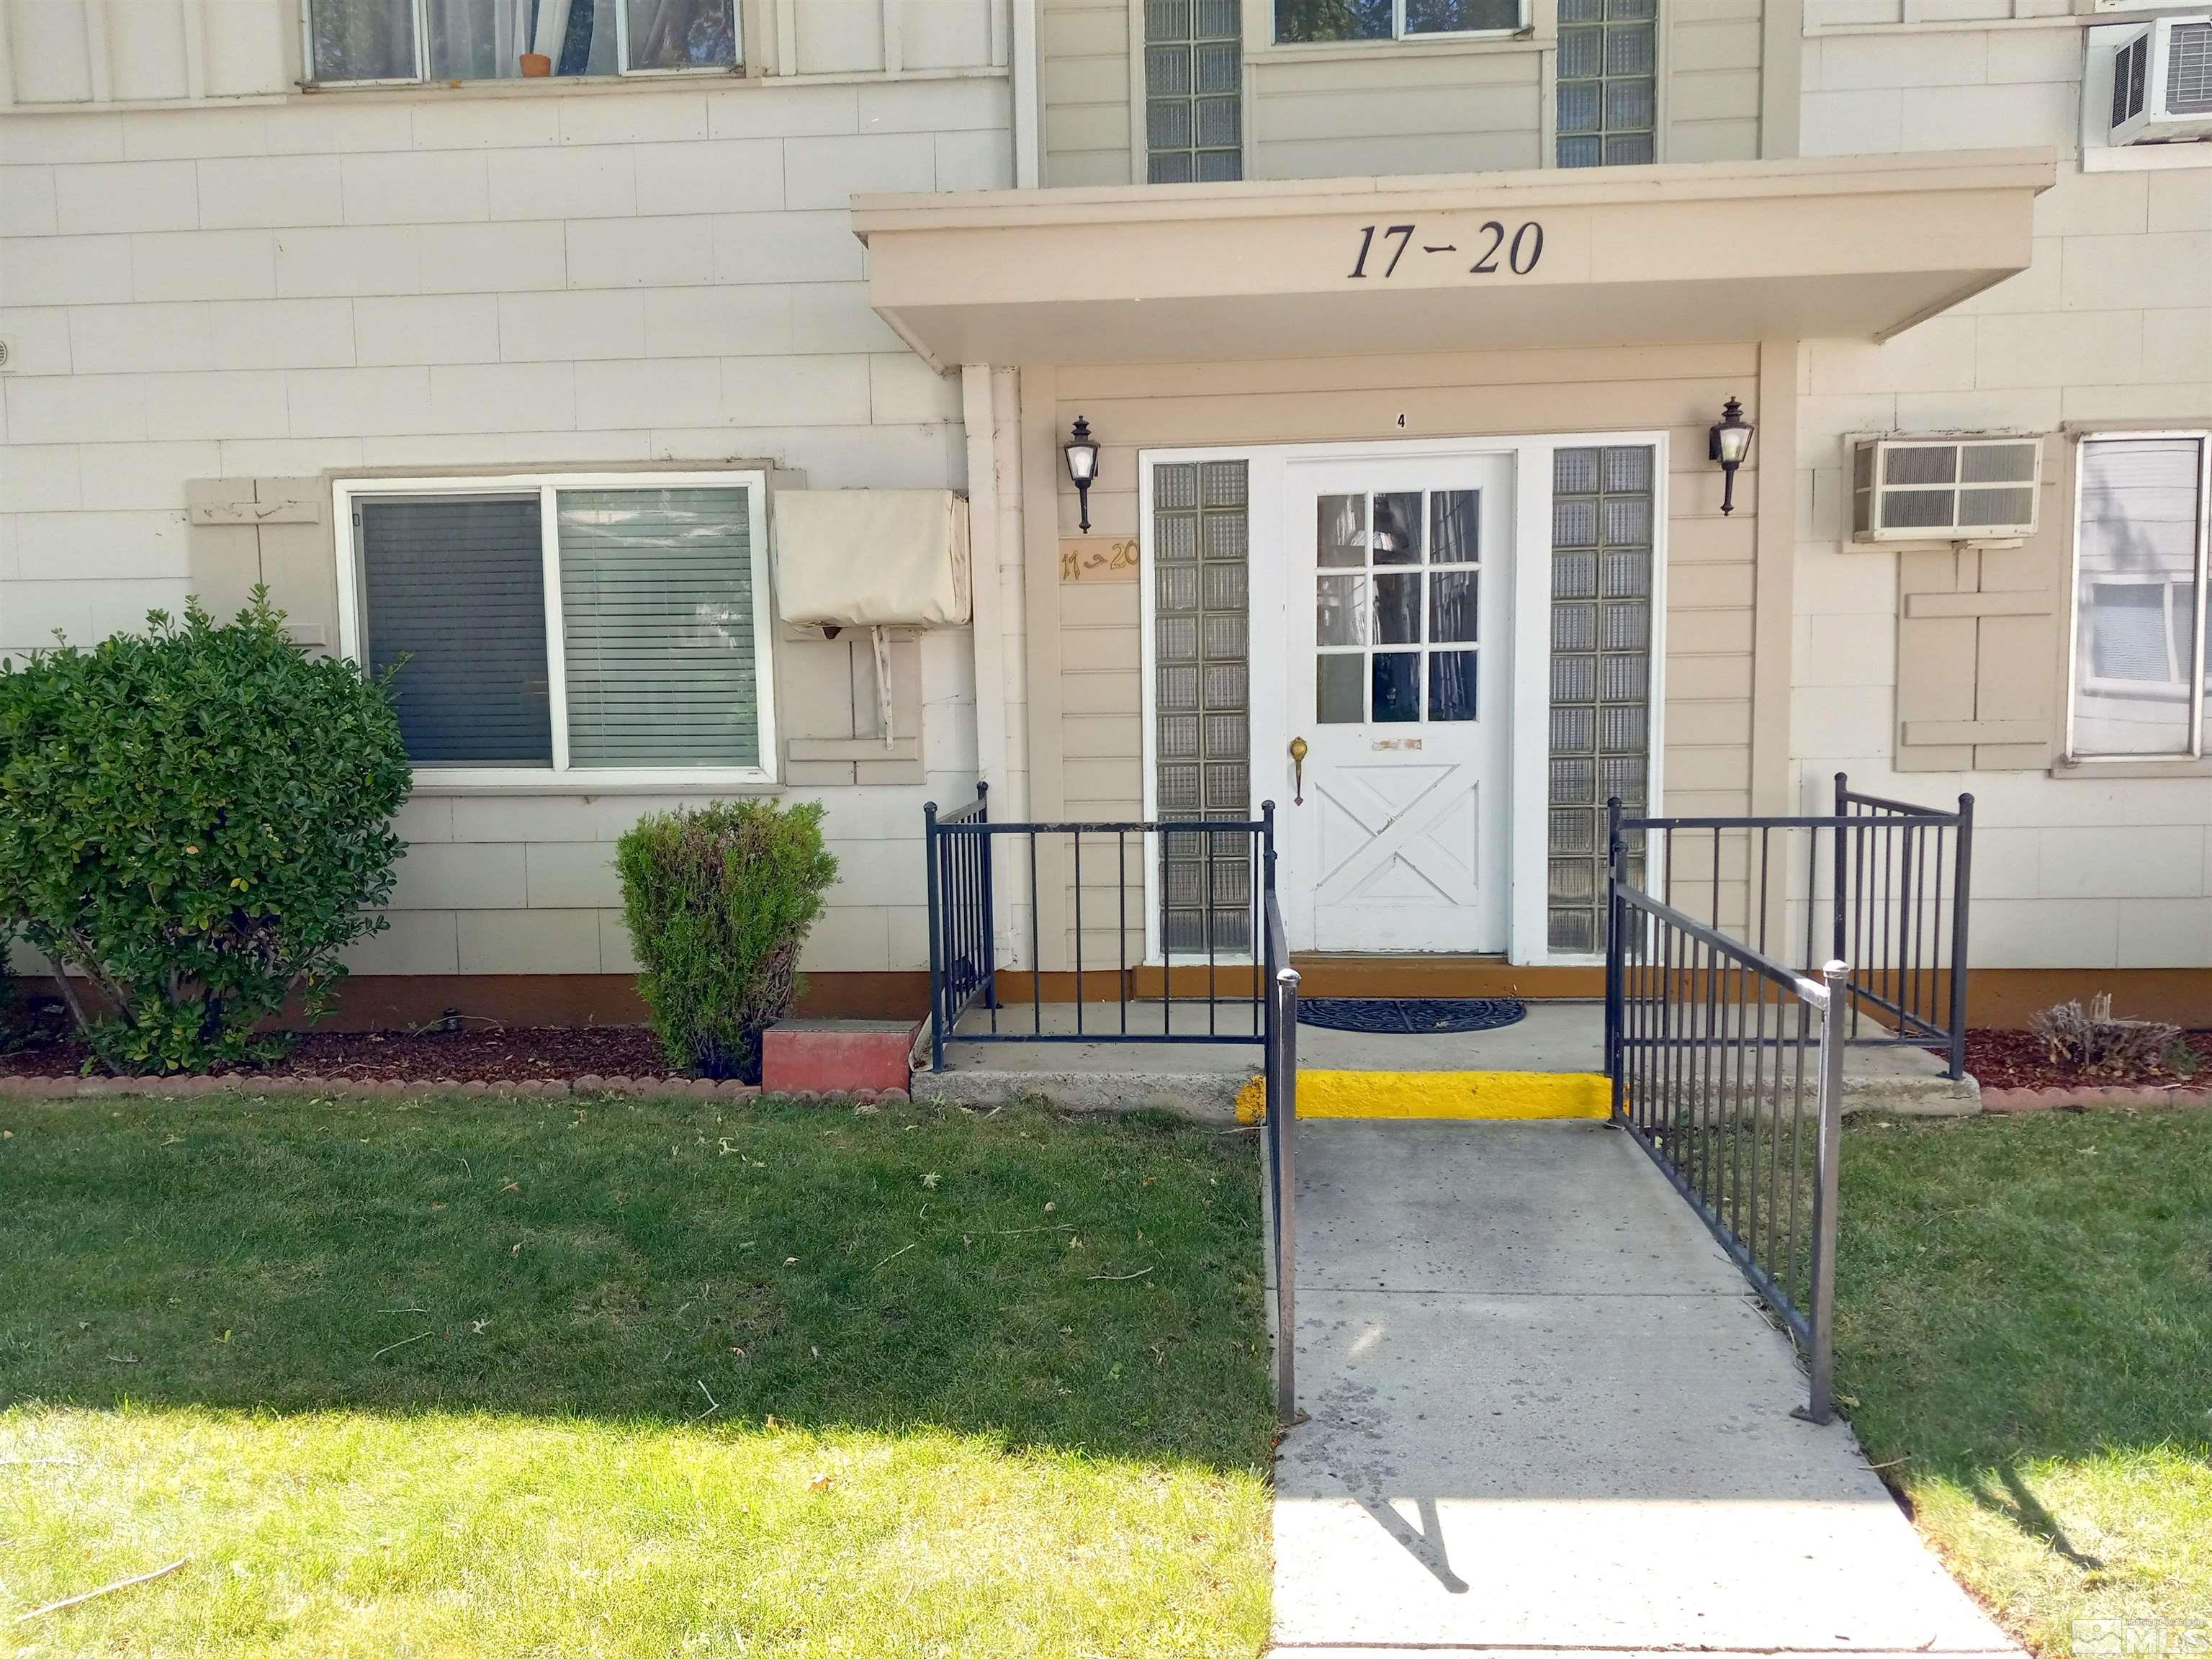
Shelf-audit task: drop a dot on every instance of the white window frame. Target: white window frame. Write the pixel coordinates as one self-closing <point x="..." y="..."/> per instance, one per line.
<point x="2194" y="671"/>
<point x="346" y="493"/>
<point x="419" y="10"/>
<point x="1398" y="36"/>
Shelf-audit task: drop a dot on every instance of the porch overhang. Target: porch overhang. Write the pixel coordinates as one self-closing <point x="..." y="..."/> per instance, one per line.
<point x="1843" y="247"/>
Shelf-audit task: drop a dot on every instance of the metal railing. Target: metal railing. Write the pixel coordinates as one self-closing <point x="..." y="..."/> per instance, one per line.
<point x="1279" y="1081"/>
<point x="1881" y="884"/>
<point x="1707" y="1042"/>
<point x="1893" y="922"/>
<point x="1231" y="867"/>
<point x="1222" y="870"/>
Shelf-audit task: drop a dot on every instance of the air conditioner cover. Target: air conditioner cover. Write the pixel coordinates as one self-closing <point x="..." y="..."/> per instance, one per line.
<point x="871" y="558"/>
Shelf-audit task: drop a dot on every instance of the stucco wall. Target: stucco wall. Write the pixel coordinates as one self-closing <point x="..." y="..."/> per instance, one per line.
<point x="2112" y="323"/>
<point x="430" y="280"/>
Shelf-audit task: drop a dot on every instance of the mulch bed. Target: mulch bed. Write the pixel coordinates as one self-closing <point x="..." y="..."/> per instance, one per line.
<point x="2016" y="1060"/>
<point x="505" y="1054"/>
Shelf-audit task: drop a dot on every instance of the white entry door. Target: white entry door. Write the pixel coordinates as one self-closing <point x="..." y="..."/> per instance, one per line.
<point x="1397" y="587"/>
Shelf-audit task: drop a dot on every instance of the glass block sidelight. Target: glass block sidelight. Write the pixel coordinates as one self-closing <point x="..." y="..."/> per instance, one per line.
<point x="1194" y="91"/>
<point x="1609" y="86"/>
<point x="1601" y="630"/>
<point x="1201" y="693"/>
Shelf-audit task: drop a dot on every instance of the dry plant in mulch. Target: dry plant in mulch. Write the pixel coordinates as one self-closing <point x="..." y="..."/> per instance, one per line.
<point x="2067" y="1046"/>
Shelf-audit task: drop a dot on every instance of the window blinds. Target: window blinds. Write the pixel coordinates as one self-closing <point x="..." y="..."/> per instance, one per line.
<point x="657" y="606"/>
<point x="456" y="595"/>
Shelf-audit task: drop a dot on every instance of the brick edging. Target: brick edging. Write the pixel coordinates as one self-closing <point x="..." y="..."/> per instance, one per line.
<point x="2140" y="1094"/>
<point x="66" y="1088"/>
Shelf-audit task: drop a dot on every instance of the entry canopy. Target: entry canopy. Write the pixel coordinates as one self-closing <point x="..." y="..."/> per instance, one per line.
<point x="1852" y="247"/>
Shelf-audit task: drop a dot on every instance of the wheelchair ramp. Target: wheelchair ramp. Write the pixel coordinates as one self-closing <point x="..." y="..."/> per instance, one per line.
<point x="1546" y="1414"/>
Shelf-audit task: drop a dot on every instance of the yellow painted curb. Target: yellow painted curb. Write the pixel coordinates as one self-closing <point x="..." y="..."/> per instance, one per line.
<point x="1496" y="1096"/>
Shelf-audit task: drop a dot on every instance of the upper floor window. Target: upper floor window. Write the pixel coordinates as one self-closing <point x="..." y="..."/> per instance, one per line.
<point x="1609" y="86"/>
<point x="2143" y="663"/>
<point x="414" y="41"/>
<point x="1194" y="91"/>
<point x="1390" y="20"/>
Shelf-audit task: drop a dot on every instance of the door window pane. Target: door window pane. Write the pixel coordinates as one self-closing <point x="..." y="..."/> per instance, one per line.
<point x="1452" y="606"/>
<point x="1397" y="538"/>
<point x="1397" y="686"/>
<point x="656" y="590"/>
<point x="454" y="592"/>
<point x="1340" y="616"/>
<point x="1451" y="685"/>
<point x="678" y="34"/>
<point x="1397" y="609"/>
<point x="2136" y="670"/>
<point x="1454" y="526"/>
<point x="1341" y="701"/>
<point x="1341" y="530"/>
<point x="362" y="39"/>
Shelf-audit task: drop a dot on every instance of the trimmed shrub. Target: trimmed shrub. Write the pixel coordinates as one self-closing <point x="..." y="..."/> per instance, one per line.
<point x="193" y="819"/>
<point x="719" y="898"/>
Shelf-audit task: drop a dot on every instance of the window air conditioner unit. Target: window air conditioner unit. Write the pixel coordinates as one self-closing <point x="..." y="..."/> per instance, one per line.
<point x="1945" y="490"/>
<point x="2162" y="82"/>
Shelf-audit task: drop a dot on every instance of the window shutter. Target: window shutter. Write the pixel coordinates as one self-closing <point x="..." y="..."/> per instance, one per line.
<point x="456" y="595"/>
<point x="657" y="607"/>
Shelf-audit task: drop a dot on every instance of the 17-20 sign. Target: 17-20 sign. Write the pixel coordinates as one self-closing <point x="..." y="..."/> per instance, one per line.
<point x="1382" y="247"/>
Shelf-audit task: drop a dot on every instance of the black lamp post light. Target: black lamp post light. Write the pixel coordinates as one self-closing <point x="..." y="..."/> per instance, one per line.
<point x="1731" y="445"/>
<point x="1082" y="452"/>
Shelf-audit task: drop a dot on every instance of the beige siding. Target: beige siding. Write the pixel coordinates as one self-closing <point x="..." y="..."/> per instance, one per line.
<point x="1711" y="570"/>
<point x="1397" y="112"/>
<point x="1083" y="79"/>
<point x="1710" y="60"/>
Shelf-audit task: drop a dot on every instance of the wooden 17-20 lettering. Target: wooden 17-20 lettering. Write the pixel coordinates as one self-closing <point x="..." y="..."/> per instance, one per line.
<point x="1521" y="252"/>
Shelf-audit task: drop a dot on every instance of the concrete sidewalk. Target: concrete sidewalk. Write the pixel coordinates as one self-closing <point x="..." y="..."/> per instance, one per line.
<point x="1203" y="1079"/>
<point x="1546" y="1415"/>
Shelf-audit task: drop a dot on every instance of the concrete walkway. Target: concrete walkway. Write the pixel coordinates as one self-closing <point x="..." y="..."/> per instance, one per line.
<point x="1203" y="1077"/>
<point x="1546" y="1415"/>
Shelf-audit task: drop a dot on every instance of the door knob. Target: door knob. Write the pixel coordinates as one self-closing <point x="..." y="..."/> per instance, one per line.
<point x="1299" y="771"/>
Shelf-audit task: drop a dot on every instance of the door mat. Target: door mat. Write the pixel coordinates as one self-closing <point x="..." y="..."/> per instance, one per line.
<point x="1410" y="1016"/>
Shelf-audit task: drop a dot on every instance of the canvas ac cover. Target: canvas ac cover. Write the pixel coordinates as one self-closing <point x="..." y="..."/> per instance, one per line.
<point x="871" y="558"/>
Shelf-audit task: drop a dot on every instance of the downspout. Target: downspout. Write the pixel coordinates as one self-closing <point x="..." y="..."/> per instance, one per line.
<point x="1027" y="172"/>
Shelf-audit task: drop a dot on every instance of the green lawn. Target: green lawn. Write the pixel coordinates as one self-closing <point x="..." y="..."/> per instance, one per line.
<point x="459" y="1375"/>
<point x="2024" y="1321"/>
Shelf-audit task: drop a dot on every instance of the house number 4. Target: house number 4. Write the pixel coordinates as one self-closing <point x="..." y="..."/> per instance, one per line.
<point x="1521" y="253"/>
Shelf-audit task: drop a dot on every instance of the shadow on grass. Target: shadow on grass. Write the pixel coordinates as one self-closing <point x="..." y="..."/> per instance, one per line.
<point x="2018" y="1505"/>
<point x="1085" y="1284"/>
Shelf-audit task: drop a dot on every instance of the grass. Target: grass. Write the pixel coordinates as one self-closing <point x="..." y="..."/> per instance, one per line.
<point x="2024" y="1320"/>
<point x="452" y="1375"/>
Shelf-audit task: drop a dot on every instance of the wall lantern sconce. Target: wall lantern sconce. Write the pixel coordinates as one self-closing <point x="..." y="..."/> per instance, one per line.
<point x="1731" y="443"/>
<point x="1082" y="452"/>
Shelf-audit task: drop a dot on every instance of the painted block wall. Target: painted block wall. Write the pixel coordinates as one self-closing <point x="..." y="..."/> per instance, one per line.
<point x="2112" y="323"/>
<point x="662" y="272"/>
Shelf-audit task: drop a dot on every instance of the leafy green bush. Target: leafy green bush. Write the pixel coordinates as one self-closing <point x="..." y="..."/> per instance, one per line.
<point x="193" y="819"/>
<point x="720" y="899"/>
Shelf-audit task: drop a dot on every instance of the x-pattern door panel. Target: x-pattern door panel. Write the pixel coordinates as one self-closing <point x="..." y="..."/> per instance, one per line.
<point x="1397" y="575"/>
